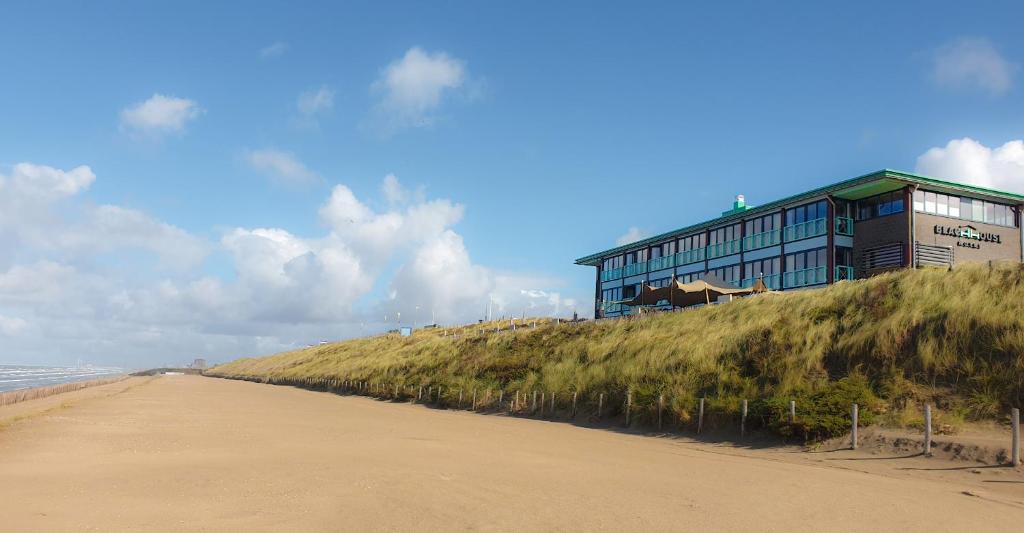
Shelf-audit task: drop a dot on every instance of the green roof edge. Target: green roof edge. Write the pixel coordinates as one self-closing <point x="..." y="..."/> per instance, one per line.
<point x="593" y="259"/>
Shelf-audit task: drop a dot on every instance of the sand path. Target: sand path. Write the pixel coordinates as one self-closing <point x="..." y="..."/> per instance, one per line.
<point x="202" y="454"/>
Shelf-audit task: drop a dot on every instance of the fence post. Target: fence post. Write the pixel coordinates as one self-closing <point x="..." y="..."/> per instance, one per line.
<point x="927" y="430"/>
<point x="600" y="404"/>
<point x="542" y="405"/>
<point x="792" y="411"/>
<point x="629" y="404"/>
<point x="460" y="399"/>
<point x="419" y="397"/>
<point x="743" y="420"/>
<point x="552" y="405"/>
<point x="501" y="396"/>
<point x="853" y="432"/>
<point x="573" y="402"/>
<point x="661" y="407"/>
<point x="1015" y="447"/>
<point x="700" y="416"/>
<point x="534" y="405"/>
<point x="515" y="405"/>
<point x="474" y="401"/>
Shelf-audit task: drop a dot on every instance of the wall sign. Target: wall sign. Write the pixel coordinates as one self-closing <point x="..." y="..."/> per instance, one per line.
<point x="973" y="237"/>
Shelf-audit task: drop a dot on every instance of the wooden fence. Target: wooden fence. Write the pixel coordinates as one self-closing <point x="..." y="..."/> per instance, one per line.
<point x="16" y="396"/>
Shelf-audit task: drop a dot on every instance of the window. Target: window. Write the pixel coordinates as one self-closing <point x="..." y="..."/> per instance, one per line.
<point x="807" y="259"/>
<point x="954" y="206"/>
<point x="630" y="291"/>
<point x="763" y="224"/>
<point x="611" y="295"/>
<point x="693" y="242"/>
<point x="918" y="200"/>
<point x="612" y="263"/>
<point x="964" y="208"/>
<point x="929" y="202"/>
<point x="806" y="212"/>
<point x="730" y="274"/>
<point x="637" y="256"/>
<point x="765" y="267"/>
<point x="663" y="282"/>
<point x="942" y="205"/>
<point x="844" y="256"/>
<point x="687" y="278"/>
<point x="726" y="234"/>
<point x="881" y="205"/>
<point x="655" y="252"/>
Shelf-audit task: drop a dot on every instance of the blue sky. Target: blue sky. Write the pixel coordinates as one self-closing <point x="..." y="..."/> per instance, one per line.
<point x="527" y="132"/>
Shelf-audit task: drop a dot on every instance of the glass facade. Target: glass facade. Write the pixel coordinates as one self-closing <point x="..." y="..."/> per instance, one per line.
<point x="964" y="208"/>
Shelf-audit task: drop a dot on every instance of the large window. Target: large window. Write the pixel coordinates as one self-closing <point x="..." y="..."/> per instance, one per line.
<point x="611" y="263"/>
<point x="766" y="267"/>
<point x="763" y="224"/>
<point x="729" y="273"/>
<point x="880" y="205"/>
<point x="693" y="242"/>
<point x="611" y="295"/>
<point x="663" y="282"/>
<point x="637" y="256"/>
<point x="725" y="234"/>
<point x="630" y="291"/>
<point x="964" y="208"/>
<point x="803" y="213"/>
<point x="664" y="249"/>
<point x="807" y="259"/>
<point x="687" y="278"/>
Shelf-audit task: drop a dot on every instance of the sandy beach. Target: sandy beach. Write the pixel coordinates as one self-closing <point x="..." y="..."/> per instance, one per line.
<point x="194" y="453"/>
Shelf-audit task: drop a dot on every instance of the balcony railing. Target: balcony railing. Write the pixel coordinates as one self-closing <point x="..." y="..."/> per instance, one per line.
<point x="612" y="274"/>
<point x="844" y="272"/>
<point x="609" y="307"/>
<point x="723" y="249"/>
<point x="762" y="240"/>
<point x="659" y="263"/>
<point x="805" y="230"/>
<point x="844" y="226"/>
<point x="772" y="281"/>
<point x="634" y="269"/>
<point x="805" y="277"/>
<point x="690" y="256"/>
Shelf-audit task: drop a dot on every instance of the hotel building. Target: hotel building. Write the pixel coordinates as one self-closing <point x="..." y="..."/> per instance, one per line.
<point x="852" y="229"/>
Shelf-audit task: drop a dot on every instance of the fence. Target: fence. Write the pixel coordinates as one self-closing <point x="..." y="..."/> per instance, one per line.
<point x="569" y="405"/>
<point x="16" y="396"/>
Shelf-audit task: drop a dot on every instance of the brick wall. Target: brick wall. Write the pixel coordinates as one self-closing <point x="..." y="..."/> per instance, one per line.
<point x="1007" y="249"/>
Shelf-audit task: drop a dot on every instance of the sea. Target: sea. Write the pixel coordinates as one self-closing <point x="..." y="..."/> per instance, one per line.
<point x="14" y="377"/>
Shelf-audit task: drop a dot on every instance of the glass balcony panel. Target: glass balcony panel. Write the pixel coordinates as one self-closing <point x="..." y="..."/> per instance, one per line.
<point x="844" y="226"/>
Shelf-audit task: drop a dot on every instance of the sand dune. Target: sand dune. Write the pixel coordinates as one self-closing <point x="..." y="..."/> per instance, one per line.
<point x="193" y="453"/>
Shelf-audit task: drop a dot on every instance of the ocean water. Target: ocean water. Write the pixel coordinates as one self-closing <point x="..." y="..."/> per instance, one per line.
<point x="13" y="377"/>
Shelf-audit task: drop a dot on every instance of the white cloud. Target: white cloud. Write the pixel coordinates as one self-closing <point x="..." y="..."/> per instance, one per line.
<point x="413" y="87"/>
<point x="11" y="325"/>
<point x="633" y="234"/>
<point x="276" y="49"/>
<point x="160" y="115"/>
<point x="280" y="166"/>
<point x="316" y="102"/>
<point x="74" y="283"/>
<point x="973" y="63"/>
<point x="967" y="160"/>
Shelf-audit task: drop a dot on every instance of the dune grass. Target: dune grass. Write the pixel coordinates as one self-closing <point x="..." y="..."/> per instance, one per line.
<point x="890" y="343"/>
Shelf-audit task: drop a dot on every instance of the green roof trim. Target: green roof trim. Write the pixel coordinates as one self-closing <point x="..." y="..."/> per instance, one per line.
<point x="858" y="182"/>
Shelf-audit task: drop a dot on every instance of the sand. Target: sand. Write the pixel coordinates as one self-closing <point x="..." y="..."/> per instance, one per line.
<point x="193" y="453"/>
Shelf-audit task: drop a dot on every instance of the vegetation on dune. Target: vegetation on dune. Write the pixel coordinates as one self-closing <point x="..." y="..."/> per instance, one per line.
<point x="889" y="343"/>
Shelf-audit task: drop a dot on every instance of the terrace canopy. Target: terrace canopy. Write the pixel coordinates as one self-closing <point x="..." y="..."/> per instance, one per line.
<point x="702" y="291"/>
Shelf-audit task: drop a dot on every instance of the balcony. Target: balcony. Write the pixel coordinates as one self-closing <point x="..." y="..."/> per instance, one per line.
<point x="805" y="277"/>
<point x="690" y="256"/>
<point x="805" y="230"/>
<point x="659" y="263"/>
<point x="613" y="274"/>
<point x="844" y="226"/>
<point x="762" y="240"/>
<point x="723" y="249"/>
<point x="843" y="273"/>
<point x="634" y="269"/>
<point x="611" y="308"/>
<point x="772" y="281"/>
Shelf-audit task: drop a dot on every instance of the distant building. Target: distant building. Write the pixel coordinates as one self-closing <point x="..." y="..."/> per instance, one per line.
<point x="199" y="364"/>
<point x="808" y="240"/>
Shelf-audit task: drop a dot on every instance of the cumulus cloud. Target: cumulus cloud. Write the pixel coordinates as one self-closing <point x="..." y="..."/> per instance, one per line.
<point x="967" y="160"/>
<point x="280" y="166"/>
<point x="973" y="63"/>
<point x="159" y="115"/>
<point x="276" y="49"/>
<point x="633" y="234"/>
<point x="411" y="88"/>
<point x="75" y="287"/>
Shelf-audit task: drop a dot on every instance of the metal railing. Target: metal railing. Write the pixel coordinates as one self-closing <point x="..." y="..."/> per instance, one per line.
<point x="690" y="256"/>
<point x="805" y="230"/>
<point x="724" y="248"/>
<point x="805" y="277"/>
<point x="612" y="274"/>
<point x="844" y="273"/>
<point x="762" y="240"/>
<point x="844" y="226"/>
<point x="772" y="281"/>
